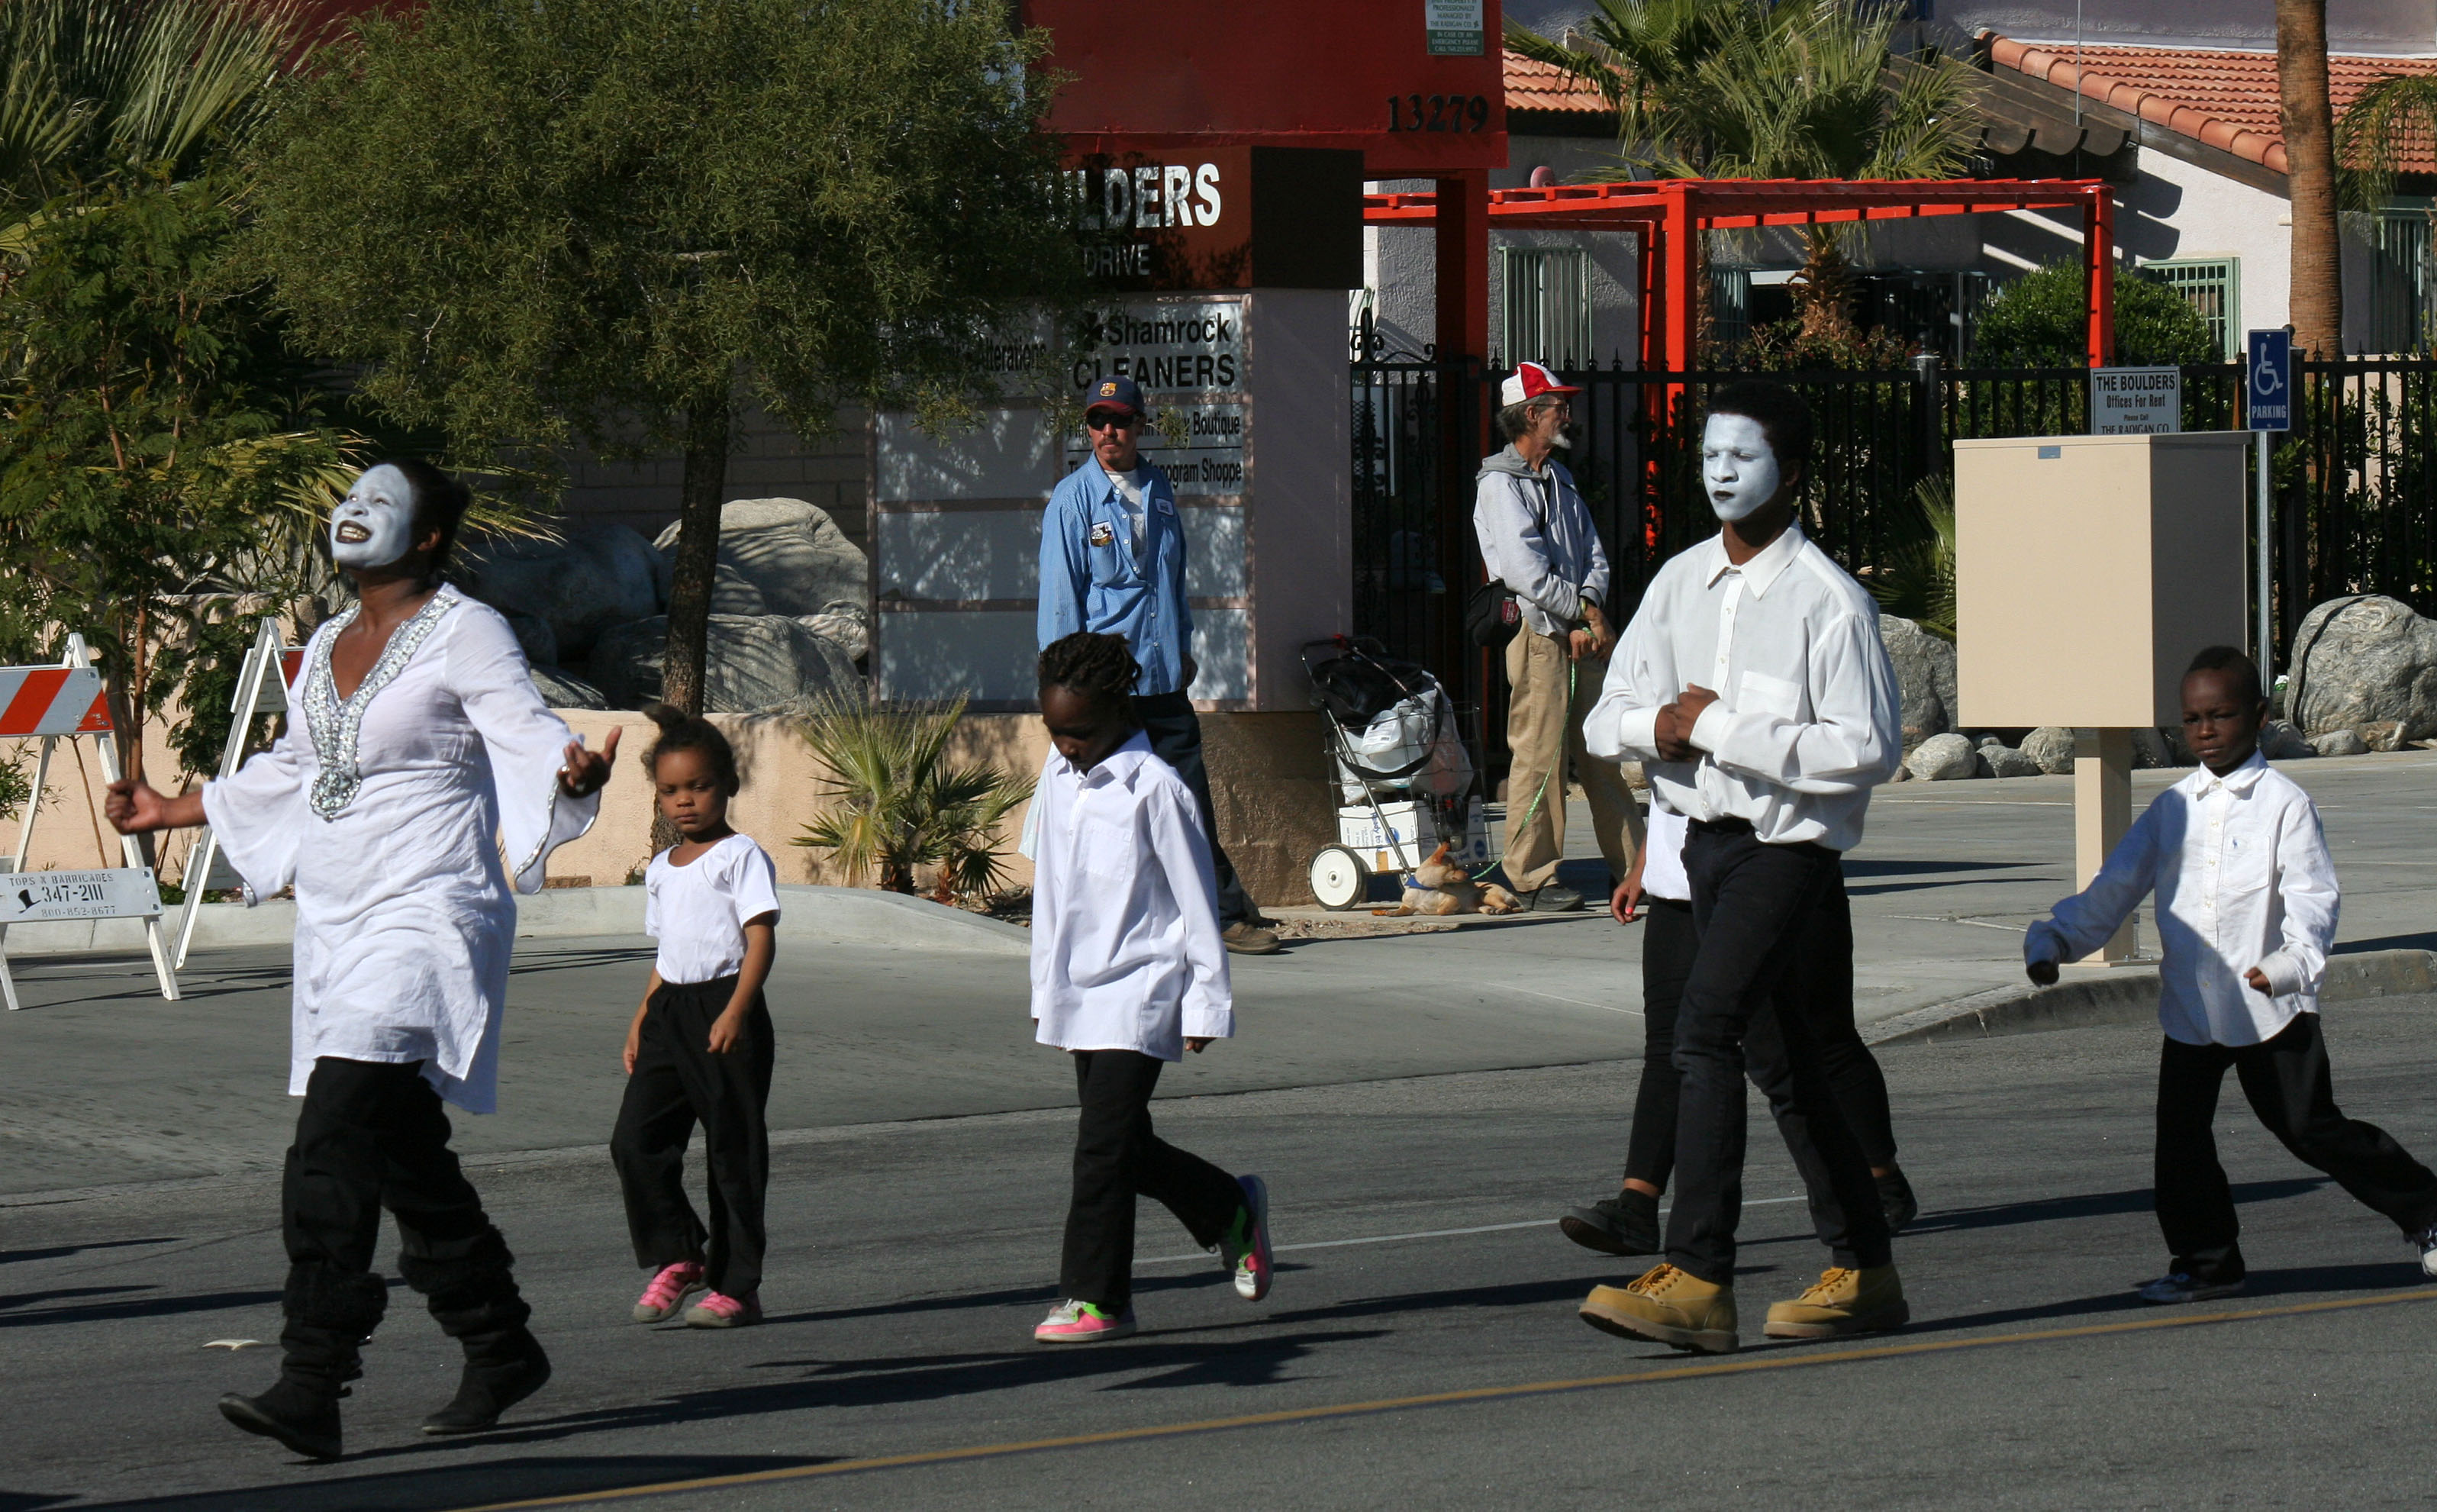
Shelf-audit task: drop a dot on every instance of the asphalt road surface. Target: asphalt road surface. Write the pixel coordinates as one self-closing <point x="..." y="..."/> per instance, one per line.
<point x="1420" y="1350"/>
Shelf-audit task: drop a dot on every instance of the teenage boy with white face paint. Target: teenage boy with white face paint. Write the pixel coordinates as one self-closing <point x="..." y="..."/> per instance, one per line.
<point x="1753" y="688"/>
<point x="416" y="751"/>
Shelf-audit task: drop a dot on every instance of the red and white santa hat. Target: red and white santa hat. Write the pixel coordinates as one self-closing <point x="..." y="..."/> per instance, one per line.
<point x="1531" y="381"/>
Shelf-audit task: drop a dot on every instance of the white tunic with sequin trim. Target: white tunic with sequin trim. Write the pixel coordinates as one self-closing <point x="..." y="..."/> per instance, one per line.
<point x="390" y="813"/>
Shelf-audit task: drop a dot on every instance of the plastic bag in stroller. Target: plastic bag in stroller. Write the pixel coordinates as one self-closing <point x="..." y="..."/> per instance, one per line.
<point x="1396" y="731"/>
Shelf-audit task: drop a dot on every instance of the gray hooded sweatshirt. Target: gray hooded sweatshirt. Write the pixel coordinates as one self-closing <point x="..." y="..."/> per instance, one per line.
<point x="1537" y="538"/>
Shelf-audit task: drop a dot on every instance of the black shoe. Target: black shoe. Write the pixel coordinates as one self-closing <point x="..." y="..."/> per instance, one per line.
<point x="1551" y="899"/>
<point x="1626" y="1224"/>
<point x="1895" y="1196"/>
<point x="500" y="1373"/>
<point x="306" y="1418"/>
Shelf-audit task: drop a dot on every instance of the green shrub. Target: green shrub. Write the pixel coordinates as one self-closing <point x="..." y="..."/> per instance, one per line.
<point x="2038" y="320"/>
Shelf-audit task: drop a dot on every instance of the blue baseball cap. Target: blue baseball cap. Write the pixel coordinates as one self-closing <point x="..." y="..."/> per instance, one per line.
<point x="1119" y="392"/>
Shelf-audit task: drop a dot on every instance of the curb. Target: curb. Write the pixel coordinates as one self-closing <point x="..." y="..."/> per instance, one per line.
<point x="853" y="916"/>
<point x="2127" y="996"/>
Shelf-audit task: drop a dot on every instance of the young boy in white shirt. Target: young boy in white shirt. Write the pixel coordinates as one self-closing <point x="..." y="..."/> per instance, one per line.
<point x="2247" y="904"/>
<point x="1128" y="971"/>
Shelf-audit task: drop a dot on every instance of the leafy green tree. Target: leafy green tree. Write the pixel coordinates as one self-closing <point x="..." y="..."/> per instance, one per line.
<point x="2039" y="319"/>
<point x="618" y="222"/>
<point x="1746" y="89"/>
<point x="151" y="429"/>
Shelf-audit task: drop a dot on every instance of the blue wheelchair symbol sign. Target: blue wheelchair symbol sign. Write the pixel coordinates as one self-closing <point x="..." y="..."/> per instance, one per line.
<point x="2267" y="372"/>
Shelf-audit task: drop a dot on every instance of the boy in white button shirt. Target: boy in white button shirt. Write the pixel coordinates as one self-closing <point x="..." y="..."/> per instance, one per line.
<point x="2247" y="904"/>
<point x="1128" y="974"/>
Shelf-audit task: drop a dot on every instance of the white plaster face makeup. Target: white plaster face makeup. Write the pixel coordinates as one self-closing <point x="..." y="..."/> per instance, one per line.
<point x="1739" y="468"/>
<point x="374" y="524"/>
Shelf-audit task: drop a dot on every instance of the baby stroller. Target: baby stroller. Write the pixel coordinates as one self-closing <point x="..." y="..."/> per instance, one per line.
<point x="1404" y="776"/>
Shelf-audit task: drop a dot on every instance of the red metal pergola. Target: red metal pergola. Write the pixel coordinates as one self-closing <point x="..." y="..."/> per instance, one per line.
<point x="1663" y="214"/>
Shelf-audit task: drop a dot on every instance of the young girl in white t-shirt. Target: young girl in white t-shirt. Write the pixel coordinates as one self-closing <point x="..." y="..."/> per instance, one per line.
<point x="699" y="1050"/>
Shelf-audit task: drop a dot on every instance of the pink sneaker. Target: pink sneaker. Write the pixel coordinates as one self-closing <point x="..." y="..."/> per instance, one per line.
<point x="719" y="1310"/>
<point x="1083" y="1323"/>
<point x="668" y="1292"/>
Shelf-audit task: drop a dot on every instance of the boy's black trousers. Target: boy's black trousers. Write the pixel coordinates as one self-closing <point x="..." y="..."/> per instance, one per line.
<point x="373" y="1135"/>
<point x="679" y="1082"/>
<point x="1820" y="985"/>
<point x="2287" y="1082"/>
<point x="1752" y="908"/>
<point x="1118" y="1157"/>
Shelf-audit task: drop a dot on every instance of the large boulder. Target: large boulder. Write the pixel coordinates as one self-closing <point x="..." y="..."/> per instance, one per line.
<point x="2361" y="662"/>
<point x="606" y="575"/>
<point x="2339" y="743"/>
<point x="2006" y="760"/>
<point x="790" y="551"/>
<point x="2281" y="741"/>
<point x="2051" y="746"/>
<point x="847" y="624"/>
<point x="1943" y="759"/>
<point x="1926" y="675"/>
<point x="755" y="663"/>
<point x="561" y="690"/>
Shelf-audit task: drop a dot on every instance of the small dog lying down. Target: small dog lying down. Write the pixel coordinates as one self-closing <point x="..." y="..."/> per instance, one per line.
<point x="1437" y="887"/>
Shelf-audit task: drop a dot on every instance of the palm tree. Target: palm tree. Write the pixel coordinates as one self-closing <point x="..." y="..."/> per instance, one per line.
<point x="898" y="803"/>
<point x="1740" y="89"/>
<point x="2318" y="284"/>
<point x="97" y="93"/>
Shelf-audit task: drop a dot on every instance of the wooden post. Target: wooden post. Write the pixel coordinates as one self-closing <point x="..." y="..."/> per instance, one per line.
<point x="2102" y="811"/>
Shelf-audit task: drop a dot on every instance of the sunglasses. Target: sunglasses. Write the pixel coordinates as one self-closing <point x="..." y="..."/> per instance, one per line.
<point x="1111" y="422"/>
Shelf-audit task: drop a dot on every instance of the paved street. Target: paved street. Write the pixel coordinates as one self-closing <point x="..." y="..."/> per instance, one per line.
<point x="1423" y="1107"/>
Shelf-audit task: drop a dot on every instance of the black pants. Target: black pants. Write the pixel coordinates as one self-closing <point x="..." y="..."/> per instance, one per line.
<point x="371" y="1135"/>
<point x="1175" y="735"/>
<point x="1118" y="1157"/>
<point x="2288" y="1083"/>
<point x="679" y="1082"/>
<point x="1820" y="984"/>
<point x="1752" y="906"/>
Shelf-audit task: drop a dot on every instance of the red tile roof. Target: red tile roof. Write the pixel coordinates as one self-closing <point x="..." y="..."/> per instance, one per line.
<point x="1537" y="86"/>
<point x="2225" y="99"/>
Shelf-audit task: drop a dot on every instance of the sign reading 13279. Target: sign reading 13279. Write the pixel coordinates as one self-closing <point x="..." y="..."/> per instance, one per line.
<point x="1455" y="30"/>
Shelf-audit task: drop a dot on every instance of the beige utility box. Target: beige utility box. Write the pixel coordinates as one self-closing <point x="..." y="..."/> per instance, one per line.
<point x="2088" y="570"/>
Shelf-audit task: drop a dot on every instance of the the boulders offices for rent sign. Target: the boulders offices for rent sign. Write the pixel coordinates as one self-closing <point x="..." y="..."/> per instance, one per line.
<point x="1243" y="367"/>
<point x="2136" y="401"/>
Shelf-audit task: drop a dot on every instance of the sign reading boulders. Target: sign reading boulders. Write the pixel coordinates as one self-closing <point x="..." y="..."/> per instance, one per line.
<point x="2136" y="401"/>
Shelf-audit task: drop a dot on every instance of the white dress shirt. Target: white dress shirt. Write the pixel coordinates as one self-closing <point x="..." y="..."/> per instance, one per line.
<point x="1663" y="856"/>
<point x="2243" y="879"/>
<point x="1125" y="954"/>
<point x="390" y="810"/>
<point x="698" y="911"/>
<point x="1806" y="720"/>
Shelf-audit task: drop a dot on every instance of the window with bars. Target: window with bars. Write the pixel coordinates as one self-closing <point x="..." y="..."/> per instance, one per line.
<point x="2400" y="281"/>
<point x="2214" y="288"/>
<point x="1545" y="294"/>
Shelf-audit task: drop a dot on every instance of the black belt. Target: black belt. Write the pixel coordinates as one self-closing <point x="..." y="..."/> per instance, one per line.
<point x="1720" y="826"/>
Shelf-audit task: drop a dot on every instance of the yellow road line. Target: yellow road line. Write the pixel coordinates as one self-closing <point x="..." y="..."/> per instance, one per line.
<point x="1788" y="1360"/>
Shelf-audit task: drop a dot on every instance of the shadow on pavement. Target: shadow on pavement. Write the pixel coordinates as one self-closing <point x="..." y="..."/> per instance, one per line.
<point x="2092" y="1205"/>
<point x="1892" y="868"/>
<point x="1874" y="888"/>
<point x="113" y="1312"/>
<point x="2426" y="939"/>
<point x="453" y="1485"/>
<point x="61" y="1251"/>
<point x="1011" y="1296"/>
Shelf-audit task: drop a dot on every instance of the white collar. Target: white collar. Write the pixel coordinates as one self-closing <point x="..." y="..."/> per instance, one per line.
<point x="1118" y="767"/>
<point x="1767" y="566"/>
<point x="2241" y="780"/>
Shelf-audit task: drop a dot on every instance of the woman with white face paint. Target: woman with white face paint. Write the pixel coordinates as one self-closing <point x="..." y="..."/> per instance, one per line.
<point x="1753" y="687"/>
<point x="416" y="752"/>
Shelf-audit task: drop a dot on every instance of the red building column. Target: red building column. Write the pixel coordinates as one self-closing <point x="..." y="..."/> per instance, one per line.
<point x="1462" y="228"/>
<point x="2098" y="262"/>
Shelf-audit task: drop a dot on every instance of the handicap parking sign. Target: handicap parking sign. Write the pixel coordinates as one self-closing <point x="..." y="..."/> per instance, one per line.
<point x="2268" y="380"/>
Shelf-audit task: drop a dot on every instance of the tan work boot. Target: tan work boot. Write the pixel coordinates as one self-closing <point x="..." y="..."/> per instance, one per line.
<point x="1842" y="1302"/>
<point x="1670" y="1306"/>
<point x="1246" y="937"/>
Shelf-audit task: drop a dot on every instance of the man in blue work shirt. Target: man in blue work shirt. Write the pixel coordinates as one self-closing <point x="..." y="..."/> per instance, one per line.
<point x="1112" y="562"/>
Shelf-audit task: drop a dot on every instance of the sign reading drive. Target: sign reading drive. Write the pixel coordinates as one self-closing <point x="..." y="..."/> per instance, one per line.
<point x="2136" y="401"/>
<point x="121" y="892"/>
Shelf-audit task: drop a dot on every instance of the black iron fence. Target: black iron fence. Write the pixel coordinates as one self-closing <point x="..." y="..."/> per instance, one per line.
<point x="2357" y="478"/>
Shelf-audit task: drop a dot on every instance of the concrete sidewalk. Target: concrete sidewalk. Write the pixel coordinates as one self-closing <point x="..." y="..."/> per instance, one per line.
<point x="105" y="1083"/>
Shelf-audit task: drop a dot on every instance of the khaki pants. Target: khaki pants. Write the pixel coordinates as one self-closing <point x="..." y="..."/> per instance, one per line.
<point x="1543" y="727"/>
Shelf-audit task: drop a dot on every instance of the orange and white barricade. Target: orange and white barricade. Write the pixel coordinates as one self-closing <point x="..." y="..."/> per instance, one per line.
<point x="52" y="704"/>
<point x="262" y="683"/>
